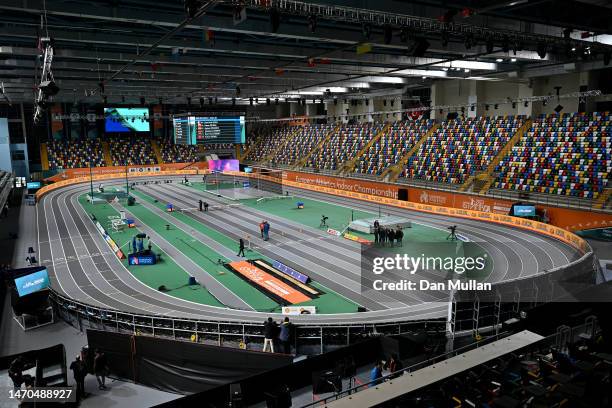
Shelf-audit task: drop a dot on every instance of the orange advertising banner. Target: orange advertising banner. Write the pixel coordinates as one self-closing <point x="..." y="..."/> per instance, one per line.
<point x="85" y="172"/>
<point x="269" y="282"/>
<point x="566" y="218"/>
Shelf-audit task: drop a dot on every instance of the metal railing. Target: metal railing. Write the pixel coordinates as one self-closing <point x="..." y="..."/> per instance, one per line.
<point x="309" y="338"/>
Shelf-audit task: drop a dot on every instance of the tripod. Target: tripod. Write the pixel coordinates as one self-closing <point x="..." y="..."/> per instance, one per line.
<point x="452" y="236"/>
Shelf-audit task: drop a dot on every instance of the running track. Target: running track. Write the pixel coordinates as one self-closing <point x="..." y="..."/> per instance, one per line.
<point x="82" y="267"/>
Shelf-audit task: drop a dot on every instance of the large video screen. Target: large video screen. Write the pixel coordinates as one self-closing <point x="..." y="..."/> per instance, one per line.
<point x="191" y="130"/>
<point x="31" y="283"/>
<point x="123" y="120"/>
<point x="224" y="165"/>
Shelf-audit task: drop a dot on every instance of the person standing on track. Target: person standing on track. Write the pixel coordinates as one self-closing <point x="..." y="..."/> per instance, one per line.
<point x="200" y="204"/>
<point x="241" y="248"/>
<point x="266" y="231"/>
<point x="205" y="206"/>
<point x="261" y="229"/>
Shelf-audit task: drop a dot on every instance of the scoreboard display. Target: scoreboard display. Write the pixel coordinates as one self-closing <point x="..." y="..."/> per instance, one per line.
<point x="192" y="130"/>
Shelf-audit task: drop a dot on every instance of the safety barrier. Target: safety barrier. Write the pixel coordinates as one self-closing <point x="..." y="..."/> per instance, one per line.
<point x="309" y="338"/>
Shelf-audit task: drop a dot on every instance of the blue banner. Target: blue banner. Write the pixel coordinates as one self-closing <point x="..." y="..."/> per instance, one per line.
<point x="287" y="270"/>
<point x="142" y="259"/>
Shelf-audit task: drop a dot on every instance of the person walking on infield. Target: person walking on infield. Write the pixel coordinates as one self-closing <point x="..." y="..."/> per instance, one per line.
<point x="80" y="372"/>
<point x="269" y="334"/>
<point x="285" y="336"/>
<point x="241" y="248"/>
<point x="100" y="368"/>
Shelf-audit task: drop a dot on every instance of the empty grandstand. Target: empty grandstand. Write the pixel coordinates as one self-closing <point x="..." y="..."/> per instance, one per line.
<point x="568" y="154"/>
<point x="459" y="148"/>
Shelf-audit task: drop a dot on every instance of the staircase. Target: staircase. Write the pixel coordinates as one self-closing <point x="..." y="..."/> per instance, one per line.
<point x="44" y="156"/>
<point x="392" y="173"/>
<point x="349" y="166"/>
<point x="482" y="181"/>
<point x="108" y="160"/>
<point x="282" y="145"/>
<point x="157" y="151"/>
<point x="302" y="161"/>
<point x="602" y="199"/>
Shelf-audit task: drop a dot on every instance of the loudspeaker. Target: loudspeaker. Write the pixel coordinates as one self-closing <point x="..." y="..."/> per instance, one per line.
<point x="402" y="194"/>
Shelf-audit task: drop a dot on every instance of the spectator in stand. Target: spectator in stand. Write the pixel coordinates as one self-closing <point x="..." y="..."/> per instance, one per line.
<point x="270" y="329"/>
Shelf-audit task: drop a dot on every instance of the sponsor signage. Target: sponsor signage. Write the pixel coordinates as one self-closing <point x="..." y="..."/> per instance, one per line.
<point x="135" y="259"/>
<point x="356" y="238"/>
<point x="111" y="243"/>
<point x="33" y="185"/>
<point x="524" y="211"/>
<point x="147" y="169"/>
<point x="268" y="282"/>
<point x="287" y="270"/>
<point x="298" y="310"/>
<point x="332" y="231"/>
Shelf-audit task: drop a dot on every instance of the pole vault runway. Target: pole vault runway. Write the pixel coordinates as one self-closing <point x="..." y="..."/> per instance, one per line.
<point x="82" y="266"/>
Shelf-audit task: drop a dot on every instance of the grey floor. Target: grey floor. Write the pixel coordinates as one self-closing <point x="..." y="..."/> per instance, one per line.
<point x="14" y="340"/>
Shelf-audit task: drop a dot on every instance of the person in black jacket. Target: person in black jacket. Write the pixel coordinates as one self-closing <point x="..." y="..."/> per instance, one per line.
<point x="241" y="247"/>
<point x="270" y="328"/>
<point x="80" y="372"/>
<point x="100" y="369"/>
<point x="399" y="235"/>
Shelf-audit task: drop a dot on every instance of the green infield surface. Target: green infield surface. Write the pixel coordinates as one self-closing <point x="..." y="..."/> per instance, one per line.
<point x="152" y="275"/>
<point x="206" y="258"/>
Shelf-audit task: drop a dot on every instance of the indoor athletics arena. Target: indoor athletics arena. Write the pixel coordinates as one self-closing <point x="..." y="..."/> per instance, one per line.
<point x="286" y="203"/>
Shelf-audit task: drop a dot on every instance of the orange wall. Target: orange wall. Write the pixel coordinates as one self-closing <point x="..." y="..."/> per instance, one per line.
<point x="84" y="172"/>
<point x="569" y="219"/>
